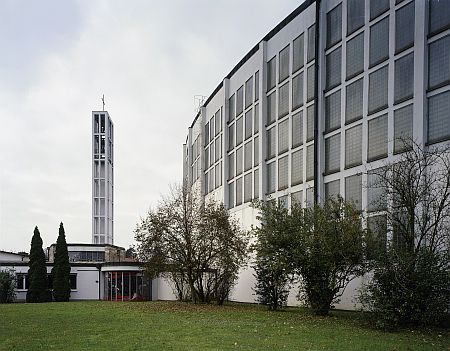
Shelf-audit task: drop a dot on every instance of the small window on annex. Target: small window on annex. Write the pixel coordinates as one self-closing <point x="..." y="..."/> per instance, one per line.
<point x="353" y="191"/>
<point x="377" y="143"/>
<point x="403" y="128"/>
<point x="333" y="154"/>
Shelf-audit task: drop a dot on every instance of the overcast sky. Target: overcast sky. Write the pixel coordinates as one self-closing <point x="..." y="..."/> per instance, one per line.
<point x="149" y="58"/>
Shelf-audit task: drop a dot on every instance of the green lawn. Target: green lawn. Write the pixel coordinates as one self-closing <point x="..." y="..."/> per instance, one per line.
<point x="181" y="326"/>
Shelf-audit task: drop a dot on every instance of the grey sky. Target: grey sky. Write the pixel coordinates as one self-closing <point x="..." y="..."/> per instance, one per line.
<point x="149" y="58"/>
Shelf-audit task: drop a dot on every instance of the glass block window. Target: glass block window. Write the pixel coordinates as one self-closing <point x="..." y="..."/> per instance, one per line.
<point x="310" y="83"/>
<point x="334" y="25"/>
<point x="248" y="92"/>
<point x="218" y="174"/>
<point x="297" y="167"/>
<point x="404" y="27"/>
<point x="378" y="90"/>
<point x="332" y="189"/>
<point x="403" y="128"/>
<point x="257" y="86"/>
<point x="376" y="193"/>
<point x="310" y="162"/>
<point x="240" y="101"/>
<point x="231" y="108"/>
<point x="283" y="136"/>
<point x="238" y="191"/>
<point x="231" y="195"/>
<point x="355" y="15"/>
<point x="297" y="129"/>
<point x="248" y="155"/>
<point x="283" y="201"/>
<point x="211" y="129"/>
<point x="256" y="184"/>
<point x="271" y="177"/>
<point x="271" y="108"/>
<point x="256" y="151"/>
<point x="333" y="111"/>
<point x="439" y="63"/>
<point x="284" y="64"/>
<point x="439" y="15"/>
<point x="206" y="158"/>
<point x="239" y="130"/>
<point x="353" y="191"/>
<point x="298" y="56"/>
<point x="256" y="121"/>
<point x="377" y="7"/>
<point x="239" y="161"/>
<point x="297" y="198"/>
<point x="231" y="166"/>
<point x="271" y="143"/>
<point x="231" y="137"/>
<point x="311" y="49"/>
<point x="354" y="101"/>
<point x="355" y="56"/>
<point x="207" y="190"/>
<point x="404" y="78"/>
<point x="297" y="91"/>
<point x="271" y="73"/>
<point x="377" y="143"/>
<point x="283" y="100"/>
<point x="211" y="180"/>
<point x="206" y="133"/>
<point x="248" y="187"/>
<point x="379" y="41"/>
<point x="248" y="124"/>
<point x="218" y="122"/>
<point x="218" y="143"/>
<point x="353" y="146"/>
<point x="333" y="74"/>
<point x="333" y="153"/>
<point x="439" y="117"/>
<point x="211" y="154"/>
<point x="283" y="164"/>
<point x="378" y="227"/>
<point x="310" y="123"/>
<point x="310" y="197"/>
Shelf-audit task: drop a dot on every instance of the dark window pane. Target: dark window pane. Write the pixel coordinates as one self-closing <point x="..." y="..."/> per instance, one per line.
<point x="271" y="108"/>
<point x="333" y="74"/>
<point x="404" y="27"/>
<point x="297" y="129"/>
<point x="283" y="136"/>
<point x="239" y="130"/>
<point x="404" y="78"/>
<point x="271" y="73"/>
<point x="284" y="64"/>
<point x="378" y="90"/>
<point x="271" y="142"/>
<point x="257" y="86"/>
<point x="238" y="191"/>
<point x="310" y="162"/>
<point x="354" y="101"/>
<point x="231" y="195"/>
<point x="379" y="42"/>
<point x="403" y="128"/>
<point x="231" y="108"/>
<point x="332" y="153"/>
<point x="248" y="124"/>
<point x="310" y="123"/>
<point x="298" y="55"/>
<point x="283" y="100"/>
<point x="377" y="7"/>
<point x="355" y="56"/>
<point x="334" y="25"/>
<point x="239" y="161"/>
<point x="283" y="164"/>
<point x="256" y="119"/>
<point x="249" y="92"/>
<point x="353" y="146"/>
<point x="439" y="117"/>
<point x="377" y="143"/>
<point x="271" y="177"/>
<point x="353" y="190"/>
<point x="297" y="91"/>
<point x="333" y="111"/>
<point x="311" y="87"/>
<point x="297" y="168"/>
<point x="439" y="62"/>
<point x="311" y="43"/>
<point x="248" y="187"/>
<point x="332" y="189"/>
<point x="355" y="15"/>
<point x="439" y="15"/>
<point x="240" y="101"/>
<point x="256" y="184"/>
<point x="248" y="149"/>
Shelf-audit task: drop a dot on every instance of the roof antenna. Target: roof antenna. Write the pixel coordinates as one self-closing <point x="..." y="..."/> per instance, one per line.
<point x="103" y="101"/>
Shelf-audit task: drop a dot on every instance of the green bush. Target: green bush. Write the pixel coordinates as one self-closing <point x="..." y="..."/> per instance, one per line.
<point x="7" y="286"/>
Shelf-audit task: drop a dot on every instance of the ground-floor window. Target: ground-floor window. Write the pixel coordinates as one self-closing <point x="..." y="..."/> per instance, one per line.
<point x="23" y="283"/>
<point x="126" y="286"/>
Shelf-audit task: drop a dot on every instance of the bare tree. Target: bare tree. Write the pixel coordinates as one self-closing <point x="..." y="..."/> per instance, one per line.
<point x="199" y="247"/>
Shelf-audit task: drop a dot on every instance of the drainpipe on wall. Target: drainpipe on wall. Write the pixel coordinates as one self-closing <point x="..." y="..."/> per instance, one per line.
<point x="316" y="105"/>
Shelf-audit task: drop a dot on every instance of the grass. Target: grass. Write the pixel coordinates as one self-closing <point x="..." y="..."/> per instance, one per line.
<point x="97" y="325"/>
